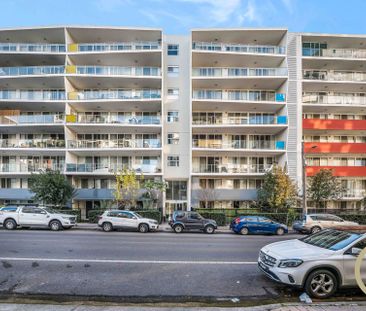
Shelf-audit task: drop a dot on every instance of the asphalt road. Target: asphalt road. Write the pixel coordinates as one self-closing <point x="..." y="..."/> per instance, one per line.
<point x="129" y="265"/>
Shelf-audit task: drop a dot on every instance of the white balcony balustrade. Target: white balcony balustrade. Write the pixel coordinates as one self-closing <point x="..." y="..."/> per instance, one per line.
<point x="211" y="72"/>
<point x="114" y="143"/>
<point x="239" y="48"/>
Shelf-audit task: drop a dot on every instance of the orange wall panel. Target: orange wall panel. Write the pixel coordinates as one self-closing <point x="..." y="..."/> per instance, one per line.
<point x="319" y="124"/>
<point x="334" y="147"/>
<point x="339" y="171"/>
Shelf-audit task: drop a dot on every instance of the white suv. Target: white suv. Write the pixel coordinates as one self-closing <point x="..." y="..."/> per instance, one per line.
<point x="321" y="263"/>
<point x="313" y="223"/>
<point x="35" y="216"/>
<point x="117" y="219"/>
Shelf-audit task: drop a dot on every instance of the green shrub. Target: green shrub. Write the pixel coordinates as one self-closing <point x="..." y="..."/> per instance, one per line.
<point x="220" y="218"/>
<point x="94" y="214"/>
<point x="360" y="218"/>
<point x="150" y="213"/>
<point x="70" y="211"/>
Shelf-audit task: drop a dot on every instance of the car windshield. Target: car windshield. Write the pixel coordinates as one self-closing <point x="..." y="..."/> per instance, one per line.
<point x="137" y="215"/>
<point x="333" y="240"/>
<point x="50" y="210"/>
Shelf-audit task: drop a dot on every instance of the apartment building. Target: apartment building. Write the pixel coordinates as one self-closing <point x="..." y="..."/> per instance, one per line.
<point x="210" y="112"/>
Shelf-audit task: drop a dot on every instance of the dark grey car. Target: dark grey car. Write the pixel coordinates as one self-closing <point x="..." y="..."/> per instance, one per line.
<point x="186" y="221"/>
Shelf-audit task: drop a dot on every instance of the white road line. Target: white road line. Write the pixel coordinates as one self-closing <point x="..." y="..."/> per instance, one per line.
<point x="174" y="262"/>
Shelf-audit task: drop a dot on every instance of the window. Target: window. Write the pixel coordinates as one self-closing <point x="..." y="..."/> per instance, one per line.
<point x="173" y="139"/>
<point x="173" y="71"/>
<point x="172" y="116"/>
<point x="173" y="161"/>
<point x="173" y="92"/>
<point x="173" y="49"/>
<point x="176" y="190"/>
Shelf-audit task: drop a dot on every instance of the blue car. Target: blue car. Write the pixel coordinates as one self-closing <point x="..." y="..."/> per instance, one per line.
<point x="257" y="225"/>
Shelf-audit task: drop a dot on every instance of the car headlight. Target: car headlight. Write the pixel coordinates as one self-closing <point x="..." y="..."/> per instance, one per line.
<point x="290" y="263"/>
<point x="153" y="222"/>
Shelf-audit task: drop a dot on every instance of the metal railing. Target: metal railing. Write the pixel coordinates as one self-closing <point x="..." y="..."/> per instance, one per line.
<point x="240" y="95"/>
<point x="118" y="71"/>
<point x="110" y="168"/>
<point x="239" y="48"/>
<point x="341" y="53"/>
<point x="32" y="70"/>
<point x="334" y="75"/>
<point x="32" y="143"/>
<point x="116" y="94"/>
<point x="238" y="72"/>
<point x="32" y="47"/>
<point x="115" y="119"/>
<point x="32" y="119"/>
<point x="22" y="168"/>
<point x="234" y="144"/>
<point x="333" y="99"/>
<point x="231" y="168"/>
<point x="120" y="46"/>
<point x="243" y="120"/>
<point x="32" y="94"/>
<point x="114" y="143"/>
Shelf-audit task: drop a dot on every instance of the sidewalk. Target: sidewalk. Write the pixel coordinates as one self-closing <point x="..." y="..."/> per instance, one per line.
<point x="330" y="306"/>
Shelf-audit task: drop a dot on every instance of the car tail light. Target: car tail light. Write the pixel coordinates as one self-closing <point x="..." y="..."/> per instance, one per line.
<point x="237" y="220"/>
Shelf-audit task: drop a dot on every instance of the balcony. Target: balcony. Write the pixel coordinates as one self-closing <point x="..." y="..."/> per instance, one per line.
<point x="329" y="124"/>
<point x="115" y="144"/>
<point x="238" y="95"/>
<point x="23" y="168"/>
<point x="32" y="48"/>
<point x="237" y="144"/>
<point x="31" y="119"/>
<point x="334" y="76"/>
<point x="32" y="95"/>
<point x="114" y="47"/>
<point x="242" y="120"/>
<point x="116" y="94"/>
<point x="213" y="72"/>
<point x="238" y="48"/>
<point x="113" y="119"/>
<point x="111" y="169"/>
<point x="336" y="53"/>
<point x="335" y="148"/>
<point x="333" y="99"/>
<point x="31" y="70"/>
<point x="231" y="169"/>
<point x="228" y="194"/>
<point x="32" y="143"/>
<point x="339" y="171"/>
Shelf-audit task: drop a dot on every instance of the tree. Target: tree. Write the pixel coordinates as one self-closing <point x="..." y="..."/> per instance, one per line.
<point x="51" y="187"/>
<point x="127" y="188"/>
<point x="154" y="190"/>
<point x="278" y="190"/>
<point x="322" y="187"/>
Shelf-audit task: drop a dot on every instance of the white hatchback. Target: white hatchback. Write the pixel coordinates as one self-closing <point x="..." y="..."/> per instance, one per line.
<point x="321" y="263"/>
<point x="129" y="220"/>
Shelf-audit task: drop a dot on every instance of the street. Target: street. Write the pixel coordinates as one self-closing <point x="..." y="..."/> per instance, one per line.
<point x="128" y="265"/>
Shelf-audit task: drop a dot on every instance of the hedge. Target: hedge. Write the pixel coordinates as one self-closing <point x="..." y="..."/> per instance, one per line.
<point x="148" y="213"/>
<point x="220" y="218"/>
<point x="360" y="218"/>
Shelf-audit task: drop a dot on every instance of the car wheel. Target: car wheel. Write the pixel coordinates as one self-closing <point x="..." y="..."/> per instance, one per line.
<point x="55" y="225"/>
<point x="143" y="228"/>
<point x="244" y="231"/>
<point x="209" y="229"/>
<point x="178" y="228"/>
<point x="321" y="284"/>
<point x="280" y="231"/>
<point x="10" y="224"/>
<point x="315" y="229"/>
<point x="107" y="227"/>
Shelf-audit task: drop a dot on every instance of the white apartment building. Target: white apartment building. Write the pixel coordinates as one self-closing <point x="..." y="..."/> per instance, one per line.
<point x="209" y="113"/>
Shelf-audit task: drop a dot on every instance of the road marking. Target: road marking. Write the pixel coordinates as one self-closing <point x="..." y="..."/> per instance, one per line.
<point x="174" y="262"/>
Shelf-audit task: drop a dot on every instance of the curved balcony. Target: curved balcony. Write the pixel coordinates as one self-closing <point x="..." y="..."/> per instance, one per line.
<point x="116" y="94"/>
<point x="32" y="95"/>
<point x="32" y="143"/>
<point x="38" y="119"/>
<point x="111" y="169"/>
<point x="31" y="71"/>
<point x="238" y="48"/>
<point x="224" y="169"/>
<point x="329" y="124"/>
<point x="336" y="148"/>
<point x="114" y="47"/>
<point x="339" y="171"/>
<point x="32" y="48"/>
<point x="26" y="169"/>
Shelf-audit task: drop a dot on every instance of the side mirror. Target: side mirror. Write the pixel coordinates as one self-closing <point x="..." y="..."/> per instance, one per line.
<point x="44" y="213"/>
<point x="134" y="217"/>
<point x="355" y="251"/>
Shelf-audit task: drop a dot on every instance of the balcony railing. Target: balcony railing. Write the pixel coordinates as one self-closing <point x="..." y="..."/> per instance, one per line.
<point x="251" y="120"/>
<point x="238" y="144"/>
<point x="32" y="95"/>
<point x="32" y="47"/>
<point x="334" y="75"/>
<point x="333" y="99"/>
<point x="116" y="71"/>
<point x="99" y="168"/>
<point x="114" y="143"/>
<point x="114" y="119"/>
<point x="32" y="119"/>
<point x="32" y="70"/>
<point x="21" y="168"/>
<point x="232" y="168"/>
<point x="238" y="72"/>
<point x="238" y="95"/>
<point x="32" y="143"/>
<point x="120" y="46"/>
<point x="115" y="94"/>
<point x="238" y="48"/>
<point x="341" y="53"/>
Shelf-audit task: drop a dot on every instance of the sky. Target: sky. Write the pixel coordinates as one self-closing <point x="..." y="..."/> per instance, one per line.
<point x="179" y="16"/>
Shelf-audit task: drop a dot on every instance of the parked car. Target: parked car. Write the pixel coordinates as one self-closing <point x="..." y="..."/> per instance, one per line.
<point x="119" y="219"/>
<point x="12" y="217"/>
<point x="313" y="223"/>
<point x="257" y="225"/>
<point x="186" y="221"/>
<point x="321" y="263"/>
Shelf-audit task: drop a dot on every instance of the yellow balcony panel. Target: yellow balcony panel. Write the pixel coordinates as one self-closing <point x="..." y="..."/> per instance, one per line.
<point x="73" y="47"/>
<point x="72" y="95"/>
<point x="70" y="69"/>
<point x="71" y="118"/>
